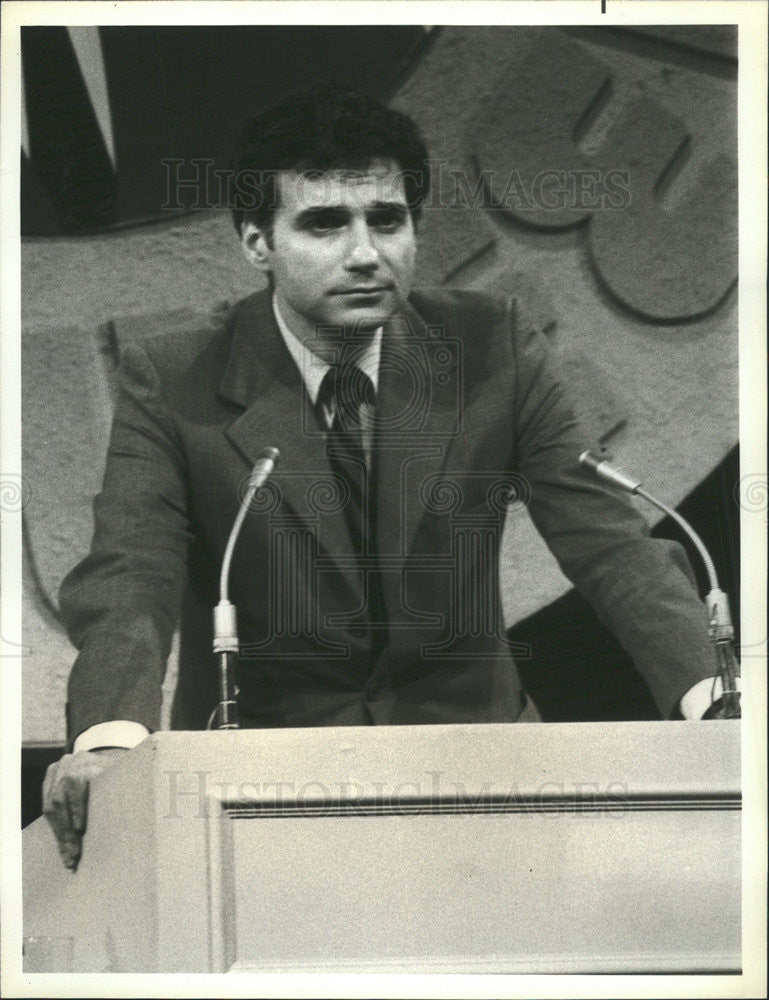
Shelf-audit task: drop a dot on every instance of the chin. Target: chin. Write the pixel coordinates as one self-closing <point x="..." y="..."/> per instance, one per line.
<point x="374" y="315"/>
<point x="364" y="318"/>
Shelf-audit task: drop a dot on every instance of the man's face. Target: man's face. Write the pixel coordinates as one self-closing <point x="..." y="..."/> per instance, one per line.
<point x="341" y="249"/>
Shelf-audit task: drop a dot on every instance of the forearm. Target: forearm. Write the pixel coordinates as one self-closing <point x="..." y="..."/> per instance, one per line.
<point x="121" y="604"/>
<point x="641" y="587"/>
<point x="645" y="595"/>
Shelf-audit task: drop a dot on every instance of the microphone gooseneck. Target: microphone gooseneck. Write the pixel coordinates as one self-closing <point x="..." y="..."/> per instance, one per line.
<point x="721" y="630"/>
<point x="226" y="644"/>
<point x="618" y="477"/>
<point x="260" y="473"/>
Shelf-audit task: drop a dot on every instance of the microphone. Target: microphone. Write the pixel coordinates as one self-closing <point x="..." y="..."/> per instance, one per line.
<point x="721" y="631"/>
<point x="226" y="645"/>
<point x="608" y="472"/>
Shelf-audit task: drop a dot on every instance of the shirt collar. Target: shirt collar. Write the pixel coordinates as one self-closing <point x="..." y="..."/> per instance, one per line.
<point x="313" y="369"/>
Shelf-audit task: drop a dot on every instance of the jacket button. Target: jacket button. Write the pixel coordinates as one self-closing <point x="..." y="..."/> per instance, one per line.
<point x="358" y="632"/>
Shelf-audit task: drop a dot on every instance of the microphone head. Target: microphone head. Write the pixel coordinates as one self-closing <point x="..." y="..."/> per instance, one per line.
<point x="613" y="475"/>
<point x="263" y="468"/>
<point x="590" y="460"/>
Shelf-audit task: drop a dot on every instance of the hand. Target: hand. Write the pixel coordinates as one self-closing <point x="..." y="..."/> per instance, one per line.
<point x="65" y="796"/>
<point x="698" y="699"/>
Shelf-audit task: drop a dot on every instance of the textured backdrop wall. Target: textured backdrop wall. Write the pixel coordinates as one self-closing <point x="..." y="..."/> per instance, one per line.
<point x="589" y="171"/>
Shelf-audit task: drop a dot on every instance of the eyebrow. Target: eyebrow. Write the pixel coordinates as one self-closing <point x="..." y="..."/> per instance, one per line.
<point x="312" y="214"/>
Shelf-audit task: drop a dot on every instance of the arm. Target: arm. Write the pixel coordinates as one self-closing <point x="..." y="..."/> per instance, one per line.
<point x="641" y="587"/>
<point x="120" y="605"/>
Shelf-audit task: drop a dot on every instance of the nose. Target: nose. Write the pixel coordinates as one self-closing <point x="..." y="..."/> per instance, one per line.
<point x="361" y="251"/>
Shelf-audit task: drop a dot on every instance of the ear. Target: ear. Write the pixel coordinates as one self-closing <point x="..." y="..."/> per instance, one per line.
<point x="255" y="246"/>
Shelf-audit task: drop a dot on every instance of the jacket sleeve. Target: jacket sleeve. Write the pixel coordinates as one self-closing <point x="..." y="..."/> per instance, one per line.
<point x="121" y="603"/>
<point x="641" y="587"/>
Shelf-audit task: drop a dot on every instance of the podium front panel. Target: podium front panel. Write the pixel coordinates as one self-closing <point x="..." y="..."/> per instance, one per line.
<point x="539" y="848"/>
<point x="530" y="887"/>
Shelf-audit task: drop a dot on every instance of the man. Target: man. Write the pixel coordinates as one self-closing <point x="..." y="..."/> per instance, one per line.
<point x="366" y="575"/>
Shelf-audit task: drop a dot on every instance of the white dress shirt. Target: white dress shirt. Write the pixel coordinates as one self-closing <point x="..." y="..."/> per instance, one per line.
<point x="313" y="370"/>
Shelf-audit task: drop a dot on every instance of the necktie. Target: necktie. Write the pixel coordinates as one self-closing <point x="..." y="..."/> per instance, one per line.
<point x="345" y="390"/>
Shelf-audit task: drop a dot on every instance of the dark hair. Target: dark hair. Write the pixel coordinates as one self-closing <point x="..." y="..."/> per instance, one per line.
<point x="318" y="131"/>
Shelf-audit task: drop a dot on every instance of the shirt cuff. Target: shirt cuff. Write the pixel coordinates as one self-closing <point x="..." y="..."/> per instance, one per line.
<point x="699" y="698"/>
<point x="119" y="733"/>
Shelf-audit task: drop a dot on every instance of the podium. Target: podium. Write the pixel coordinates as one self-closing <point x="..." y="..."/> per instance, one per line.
<point x="542" y="848"/>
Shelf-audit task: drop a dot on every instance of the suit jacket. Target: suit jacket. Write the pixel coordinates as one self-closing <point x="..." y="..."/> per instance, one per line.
<point x="471" y="414"/>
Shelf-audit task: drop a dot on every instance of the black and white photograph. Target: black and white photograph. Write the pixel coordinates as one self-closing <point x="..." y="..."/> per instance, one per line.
<point x="384" y="499"/>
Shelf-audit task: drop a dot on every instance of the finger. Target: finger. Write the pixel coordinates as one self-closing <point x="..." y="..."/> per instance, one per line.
<point x="64" y="808"/>
<point x="67" y="840"/>
<point x="48" y="784"/>
<point x="56" y="805"/>
<point x="55" y="808"/>
<point x="70" y="849"/>
<point x="71" y="792"/>
<point x="77" y="800"/>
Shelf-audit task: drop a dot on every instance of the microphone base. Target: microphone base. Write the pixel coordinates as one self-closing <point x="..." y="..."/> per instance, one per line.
<point x="228" y="710"/>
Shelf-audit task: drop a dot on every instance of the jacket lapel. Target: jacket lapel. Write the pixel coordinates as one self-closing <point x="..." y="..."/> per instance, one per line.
<point x="418" y="418"/>
<point x="262" y="377"/>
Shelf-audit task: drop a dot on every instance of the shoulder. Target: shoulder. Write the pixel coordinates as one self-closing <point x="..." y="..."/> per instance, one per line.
<point x="205" y="343"/>
<point x="526" y="310"/>
<point x="460" y="306"/>
<point x="187" y="367"/>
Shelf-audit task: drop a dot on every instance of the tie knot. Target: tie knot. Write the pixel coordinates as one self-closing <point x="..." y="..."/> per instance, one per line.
<point x="350" y="388"/>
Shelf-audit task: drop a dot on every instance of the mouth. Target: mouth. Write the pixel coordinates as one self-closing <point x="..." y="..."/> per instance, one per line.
<point x="367" y="291"/>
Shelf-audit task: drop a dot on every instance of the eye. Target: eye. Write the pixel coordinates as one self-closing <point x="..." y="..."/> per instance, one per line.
<point x="325" y="222"/>
<point x="387" y="220"/>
